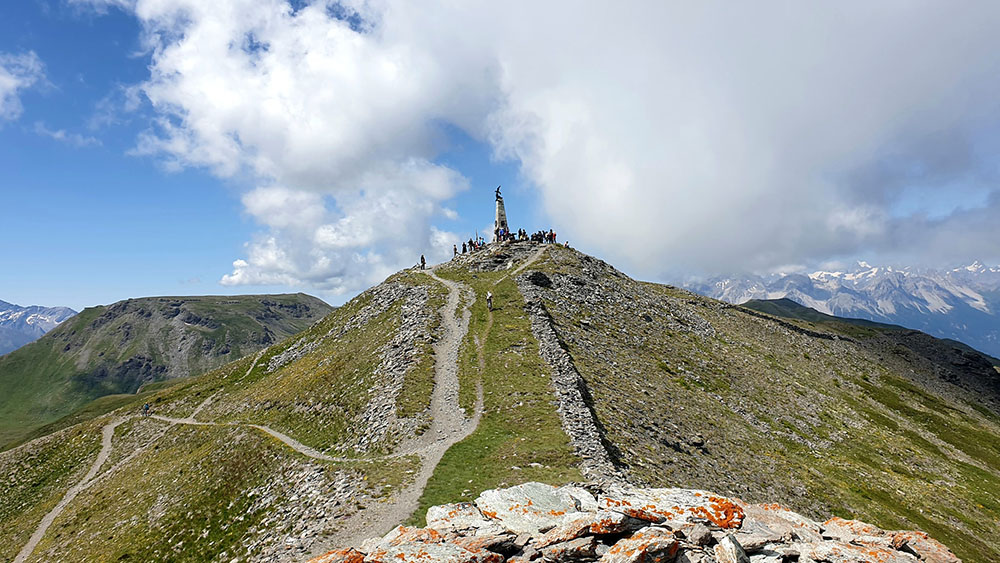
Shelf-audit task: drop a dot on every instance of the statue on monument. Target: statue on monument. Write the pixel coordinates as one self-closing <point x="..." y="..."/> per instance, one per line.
<point x="501" y="230"/>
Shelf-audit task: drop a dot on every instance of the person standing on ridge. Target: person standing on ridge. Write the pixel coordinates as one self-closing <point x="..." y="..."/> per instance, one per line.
<point x="423" y="263"/>
<point x="454" y="250"/>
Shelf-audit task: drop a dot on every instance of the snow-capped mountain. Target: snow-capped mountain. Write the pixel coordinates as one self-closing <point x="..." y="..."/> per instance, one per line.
<point x="21" y="325"/>
<point x="961" y="303"/>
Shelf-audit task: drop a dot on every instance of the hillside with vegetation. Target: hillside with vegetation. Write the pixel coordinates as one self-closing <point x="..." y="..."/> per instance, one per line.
<point x="415" y="394"/>
<point x="118" y="348"/>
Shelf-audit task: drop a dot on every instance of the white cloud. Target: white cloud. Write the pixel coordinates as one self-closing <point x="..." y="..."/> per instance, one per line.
<point x="690" y="135"/>
<point x="18" y="72"/>
<point x="75" y="139"/>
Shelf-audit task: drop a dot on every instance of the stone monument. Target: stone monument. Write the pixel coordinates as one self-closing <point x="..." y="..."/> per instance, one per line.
<point x="501" y="217"/>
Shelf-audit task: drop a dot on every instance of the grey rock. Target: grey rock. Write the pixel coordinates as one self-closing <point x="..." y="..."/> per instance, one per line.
<point x="528" y="508"/>
<point x="699" y="534"/>
<point x="728" y="550"/>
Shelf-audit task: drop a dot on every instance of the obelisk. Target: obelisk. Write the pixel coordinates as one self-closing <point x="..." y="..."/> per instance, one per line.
<point x="501" y="218"/>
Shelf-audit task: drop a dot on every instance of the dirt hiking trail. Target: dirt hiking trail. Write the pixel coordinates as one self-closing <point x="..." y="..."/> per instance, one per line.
<point x="449" y="425"/>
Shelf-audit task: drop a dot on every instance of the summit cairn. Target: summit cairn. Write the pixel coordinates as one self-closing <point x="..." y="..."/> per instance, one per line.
<point x="535" y="522"/>
<point x="500" y="223"/>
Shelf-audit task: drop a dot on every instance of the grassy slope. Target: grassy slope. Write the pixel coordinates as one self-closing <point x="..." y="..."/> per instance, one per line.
<point x="520" y="436"/>
<point x="825" y="426"/>
<point x="202" y="493"/>
<point x="786" y="308"/>
<point x="82" y="358"/>
<point x="36" y="476"/>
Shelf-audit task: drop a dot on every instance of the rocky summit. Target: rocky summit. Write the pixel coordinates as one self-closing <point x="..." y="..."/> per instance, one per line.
<point x="623" y="524"/>
<point x="416" y="394"/>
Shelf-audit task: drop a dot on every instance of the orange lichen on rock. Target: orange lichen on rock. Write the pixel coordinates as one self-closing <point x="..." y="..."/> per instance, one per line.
<point x="837" y="527"/>
<point x="836" y="551"/>
<point x="726" y="514"/>
<point x="927" y="548"/>
<point x="643" y="547"/>
<point x="422" y="535"/>
<point x="349" y="555"/>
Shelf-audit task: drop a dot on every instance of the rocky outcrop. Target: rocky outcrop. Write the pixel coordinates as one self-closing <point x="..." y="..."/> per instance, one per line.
<point x="623" y="524"/>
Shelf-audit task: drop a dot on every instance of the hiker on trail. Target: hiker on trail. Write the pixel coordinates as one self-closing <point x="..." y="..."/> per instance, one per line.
<point x="145" y="409"/>
<point x="463" y="248"/>
<point x="489" y="300"/>
<point x="423" y="263"/>
<point x="454" y="249"/>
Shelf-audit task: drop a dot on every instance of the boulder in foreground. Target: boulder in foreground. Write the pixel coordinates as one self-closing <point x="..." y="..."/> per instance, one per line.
<point x="538" y="522"/>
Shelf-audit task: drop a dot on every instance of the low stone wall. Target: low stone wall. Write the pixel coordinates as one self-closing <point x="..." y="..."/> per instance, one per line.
<point x="578" y="419"/>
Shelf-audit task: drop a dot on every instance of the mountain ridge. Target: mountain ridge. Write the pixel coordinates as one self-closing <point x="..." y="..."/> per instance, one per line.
<point x="959" y="303"/>
<point x="116" y="348"/>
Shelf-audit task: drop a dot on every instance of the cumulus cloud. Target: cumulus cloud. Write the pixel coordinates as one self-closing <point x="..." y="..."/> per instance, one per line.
<point x="665" y="136"/>
<point x="18" y="72"/>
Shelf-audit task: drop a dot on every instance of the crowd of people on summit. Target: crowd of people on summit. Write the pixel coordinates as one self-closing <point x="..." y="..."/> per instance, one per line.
<point x="502" y="235"/>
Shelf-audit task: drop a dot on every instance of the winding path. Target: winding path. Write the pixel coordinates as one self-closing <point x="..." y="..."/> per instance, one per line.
<point x="106" y="434"/>
<point x="449" y="425"/>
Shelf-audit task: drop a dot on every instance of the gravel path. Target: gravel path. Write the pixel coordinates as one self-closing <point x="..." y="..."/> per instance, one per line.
<point x="106" y="434"/>
<point x="448" y="426"/>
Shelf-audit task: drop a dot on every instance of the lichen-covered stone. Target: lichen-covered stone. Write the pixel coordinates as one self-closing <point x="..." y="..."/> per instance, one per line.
<point x="674" y="506"/>
<point x="925" y="547"/>
<point x="529" y="507"/>
<point x="543" y="524"/>
<point x="349" y="555"/>
<point x="833" y="551"/>
<point x="918" y="543"/>
<point x="419" y="552"/>
<point x="773" y="522"/>
<point x="460" y="517"/>
<point x="575" y="549"/>
<point x="596" y="523"/>
<point x="648" y="545"/>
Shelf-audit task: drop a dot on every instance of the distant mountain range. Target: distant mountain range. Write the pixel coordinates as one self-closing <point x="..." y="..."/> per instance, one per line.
<point x="961" y="303"/>
<point x="22" y="325"/>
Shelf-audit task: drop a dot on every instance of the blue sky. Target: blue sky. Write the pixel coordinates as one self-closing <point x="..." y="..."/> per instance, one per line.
<point x="92" y="224"/>
<point x="153" y="147"/>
